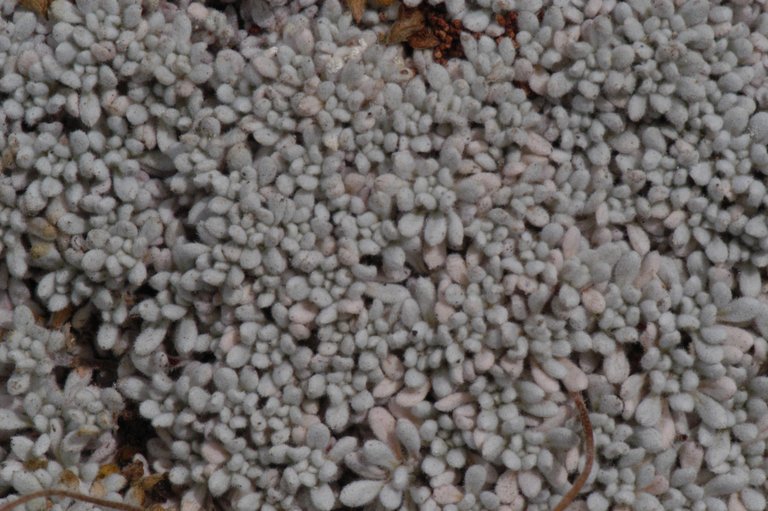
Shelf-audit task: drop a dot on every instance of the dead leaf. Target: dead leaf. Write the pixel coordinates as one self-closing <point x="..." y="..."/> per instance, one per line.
<point x="157" y="487"/>
<point x="69" y="479"/>
<point x="357" y="7"/>
<point x="35" y="464"/>
<point x="423" y="40"/>
<point x="150" y="481"/>
<point x="137" y="493"/>
<point x="107" y="470"/>
<point x="60" y="317"/>
<point x="134" y="471"/>
<point x="409" y="22"/>
<point x="38" y="6"/>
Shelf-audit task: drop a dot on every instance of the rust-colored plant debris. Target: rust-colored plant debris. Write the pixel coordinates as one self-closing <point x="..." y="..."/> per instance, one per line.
<point x="38" y="6"/>
<point x="381" y="4"/>
<point x="409" y="22"/>
<point x="508" y="22"/>
<point x="448" y="34"/>
<point x="152" y="487"/>
<point x="60" y="318"/>
<point x="157" y="487"/>
<point x="523" y="85"/>
<point x="357" y="8"/>
<point x="423" y="40"/>
<point x="427" y="27"/>
<point x="133" y="472"/>
<point x="590" y="453"/>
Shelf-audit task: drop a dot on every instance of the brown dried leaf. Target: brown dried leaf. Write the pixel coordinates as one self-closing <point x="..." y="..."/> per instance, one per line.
<point x="69" y="479"/>
<point x="357" y="7"/>
<point x="38" y="6"/>
<point x="134" y="471"/>
<point x="35" y="464"/>
<point x="107" y="470"/>
<point x="60" y="317"/>
<point x="137" y="494"/>
<point x="423" y="40"/>
<point x="150" y="481"/>
<point x="157" y="487"/>
<point x="409" y="22"/>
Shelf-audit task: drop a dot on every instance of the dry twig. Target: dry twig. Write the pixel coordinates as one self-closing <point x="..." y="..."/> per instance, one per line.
<point x="590" y="450"/>
<point x="53" y="492"/>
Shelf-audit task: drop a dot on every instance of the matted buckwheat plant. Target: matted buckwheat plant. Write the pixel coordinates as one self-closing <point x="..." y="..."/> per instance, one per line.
<point x="407" y="255"/>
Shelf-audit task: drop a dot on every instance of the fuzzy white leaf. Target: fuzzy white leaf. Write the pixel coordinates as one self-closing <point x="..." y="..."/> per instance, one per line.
<point x="378" y="453"/>
<point x="408" y="435"/>
<point x="322" y="498"/>
<point x="474" y="479"/>
<point x="149" y="340"/>
<point x="390" y="498"/>
<point x="360" y="493"/>
<point x="341" y="448"/>
<point x="25" y="482"/>
<point x="10" y="421"/>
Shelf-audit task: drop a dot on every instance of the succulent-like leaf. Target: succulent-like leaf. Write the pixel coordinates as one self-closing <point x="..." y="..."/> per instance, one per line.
<point x="408" y="435"/>
<point x="360" y="493"/>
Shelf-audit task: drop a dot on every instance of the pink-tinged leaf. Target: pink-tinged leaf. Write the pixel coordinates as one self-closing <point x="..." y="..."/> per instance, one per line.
<point x="383" y="425"/>
<point x="386" y="388"/>
<point x="506" y="487"/>
<point x="453" y="401"/>
<point x="447" y="494"/>
<point x="411" y="397"/>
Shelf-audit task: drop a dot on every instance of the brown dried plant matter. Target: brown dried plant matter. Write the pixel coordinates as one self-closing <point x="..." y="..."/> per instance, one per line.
<point x="60" y="318"/>
<point x="356" y="7"/>
<point x="409" y="22"/>
<point x="508" y="22"/>
<point x="427" y="27"/>
<point x="590" y="453"/>
<point x="38" y="6"/>
<point x="152" y="485"/>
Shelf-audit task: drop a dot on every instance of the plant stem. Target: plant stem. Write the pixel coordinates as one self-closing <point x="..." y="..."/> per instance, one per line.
<point x="53" y="492"/>
<point x="590" y="450"/>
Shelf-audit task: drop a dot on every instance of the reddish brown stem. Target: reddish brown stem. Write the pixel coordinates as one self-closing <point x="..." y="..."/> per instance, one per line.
<point x="69" y="494"/>
<point x="590" y="451"/>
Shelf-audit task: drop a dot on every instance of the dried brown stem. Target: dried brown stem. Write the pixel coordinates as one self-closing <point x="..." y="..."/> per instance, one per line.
<point x="590" y="451"/>
<point x="52" y="492"/>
